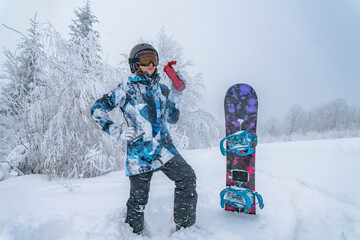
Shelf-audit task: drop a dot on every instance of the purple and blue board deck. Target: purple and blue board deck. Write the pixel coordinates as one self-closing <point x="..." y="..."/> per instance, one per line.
<point x="241" y="108"/>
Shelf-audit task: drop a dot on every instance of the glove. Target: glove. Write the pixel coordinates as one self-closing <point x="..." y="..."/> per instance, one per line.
<point x="175" y="96"/>
<point x="126" y="135"/>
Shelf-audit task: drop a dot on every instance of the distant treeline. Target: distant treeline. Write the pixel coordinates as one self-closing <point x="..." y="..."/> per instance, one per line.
<point x="333" y="119"/>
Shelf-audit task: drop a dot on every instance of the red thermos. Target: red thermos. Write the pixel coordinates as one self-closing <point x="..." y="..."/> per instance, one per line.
<point x="169" y="70"/>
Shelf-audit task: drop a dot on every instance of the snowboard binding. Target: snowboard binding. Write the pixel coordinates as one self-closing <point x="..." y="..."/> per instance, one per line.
<point x="242" y="143"/>
<point x="240" y="198"/>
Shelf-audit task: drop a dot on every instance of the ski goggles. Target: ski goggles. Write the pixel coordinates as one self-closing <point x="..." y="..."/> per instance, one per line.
<point x="146" y="58"/>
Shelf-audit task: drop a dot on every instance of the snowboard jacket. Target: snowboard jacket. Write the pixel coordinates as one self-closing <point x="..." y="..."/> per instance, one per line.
<point x="145" y="105"/>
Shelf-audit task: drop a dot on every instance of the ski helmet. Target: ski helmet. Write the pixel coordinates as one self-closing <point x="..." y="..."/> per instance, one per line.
<point x="137" y="51"/>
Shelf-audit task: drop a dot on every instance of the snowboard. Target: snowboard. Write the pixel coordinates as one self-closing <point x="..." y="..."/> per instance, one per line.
<point x="241" y="108"/>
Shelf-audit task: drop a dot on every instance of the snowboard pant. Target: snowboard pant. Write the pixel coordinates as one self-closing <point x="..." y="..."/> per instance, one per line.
<point x="185" y="199"/>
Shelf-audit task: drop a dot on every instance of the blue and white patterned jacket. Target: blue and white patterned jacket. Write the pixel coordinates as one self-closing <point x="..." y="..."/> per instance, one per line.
<point x="146" y="107"/>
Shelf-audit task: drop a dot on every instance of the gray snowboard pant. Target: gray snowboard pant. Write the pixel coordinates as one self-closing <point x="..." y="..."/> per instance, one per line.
<point x="185" y="199"/>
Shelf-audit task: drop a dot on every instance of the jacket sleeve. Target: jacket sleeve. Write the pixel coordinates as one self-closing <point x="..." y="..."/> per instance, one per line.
<point x="172" y="112"/>
<point x="108" y="102"/>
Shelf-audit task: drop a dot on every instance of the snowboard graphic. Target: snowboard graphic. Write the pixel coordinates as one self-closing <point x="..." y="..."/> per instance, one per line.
<point x="241" y="108"/>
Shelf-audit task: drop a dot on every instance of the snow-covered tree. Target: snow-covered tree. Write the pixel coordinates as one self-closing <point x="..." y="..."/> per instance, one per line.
<point x="24" y="70"/>
<point x="53" y="132"/>
<point x="83" y="32"/>
<point x="337" y="114"/>
<point x="353" y="119"/>
<point x="73" y="145"/>
<point x="294" y="120"/>
<point x="330" y="116"/>
<point x="22" y="67"/>
<point x="196" y="128"/>
<point x="83" y="23"/>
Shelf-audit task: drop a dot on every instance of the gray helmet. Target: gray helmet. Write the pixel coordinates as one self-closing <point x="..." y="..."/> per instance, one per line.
<point x="137" y="51"/>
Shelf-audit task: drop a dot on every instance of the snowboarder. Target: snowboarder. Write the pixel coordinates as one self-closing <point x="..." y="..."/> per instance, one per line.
<point x="147" y="105"/>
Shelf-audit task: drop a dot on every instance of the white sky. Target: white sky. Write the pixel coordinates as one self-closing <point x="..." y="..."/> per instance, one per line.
<point x="304" y="52"/>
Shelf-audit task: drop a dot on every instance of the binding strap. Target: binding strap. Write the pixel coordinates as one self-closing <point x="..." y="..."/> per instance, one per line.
<point x="242" y="192"/>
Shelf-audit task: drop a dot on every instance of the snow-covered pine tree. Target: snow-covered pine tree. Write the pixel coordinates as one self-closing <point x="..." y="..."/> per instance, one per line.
<point x="82" y="29"/>
<point x="22" y="68"/>
<point x="196" y="128"/>
<point x="83" y="24"/>
<point x="20" y="116"/>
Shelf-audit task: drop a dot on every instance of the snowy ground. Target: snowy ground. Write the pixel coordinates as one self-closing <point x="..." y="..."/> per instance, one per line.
<point x="310" y="191"/>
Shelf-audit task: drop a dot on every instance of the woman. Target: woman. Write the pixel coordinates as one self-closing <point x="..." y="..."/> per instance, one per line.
<point x="147" y="105"/>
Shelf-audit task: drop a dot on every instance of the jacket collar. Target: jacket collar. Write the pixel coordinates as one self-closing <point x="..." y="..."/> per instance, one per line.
<point x="145" y="79"/>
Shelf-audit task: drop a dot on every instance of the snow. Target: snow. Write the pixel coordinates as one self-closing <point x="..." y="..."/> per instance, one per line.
<point x="310" y="190"/>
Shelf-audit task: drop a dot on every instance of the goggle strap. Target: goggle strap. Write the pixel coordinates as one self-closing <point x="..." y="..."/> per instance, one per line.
<point x="133" y="60"/>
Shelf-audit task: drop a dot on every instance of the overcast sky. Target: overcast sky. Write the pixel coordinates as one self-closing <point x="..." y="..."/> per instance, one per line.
<point x="304" y="52"/>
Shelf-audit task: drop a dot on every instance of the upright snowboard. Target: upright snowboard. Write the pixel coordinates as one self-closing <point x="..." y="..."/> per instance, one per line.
<point x="241" y="108"/>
